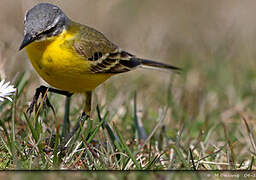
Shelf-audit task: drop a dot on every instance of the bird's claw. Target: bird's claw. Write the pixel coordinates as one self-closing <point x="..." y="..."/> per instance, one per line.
<point x="46" y="103"/>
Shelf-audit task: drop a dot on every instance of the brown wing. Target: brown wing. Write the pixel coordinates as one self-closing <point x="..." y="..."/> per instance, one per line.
<point x="104" y="56"/>
<point x="116" y="62"/>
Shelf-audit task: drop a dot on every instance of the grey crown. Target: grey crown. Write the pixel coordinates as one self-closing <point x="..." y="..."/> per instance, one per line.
<point x="45" y="19"/>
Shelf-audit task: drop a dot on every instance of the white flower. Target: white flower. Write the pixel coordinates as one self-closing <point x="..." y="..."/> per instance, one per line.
<point x="6" y="90"/>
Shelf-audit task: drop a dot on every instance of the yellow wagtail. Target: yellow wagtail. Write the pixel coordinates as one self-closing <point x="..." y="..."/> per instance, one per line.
<point x="72" y="57"/>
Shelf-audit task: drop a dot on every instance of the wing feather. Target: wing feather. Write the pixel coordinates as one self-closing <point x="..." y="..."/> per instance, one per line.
<point x="115" y="63"/>
<point x="103" y="55"/>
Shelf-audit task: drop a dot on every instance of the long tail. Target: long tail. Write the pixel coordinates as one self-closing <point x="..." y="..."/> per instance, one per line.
<point x="145" y="63"/>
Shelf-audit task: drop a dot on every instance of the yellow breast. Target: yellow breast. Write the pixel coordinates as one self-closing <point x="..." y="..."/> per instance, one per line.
<point x="59" y="65"/>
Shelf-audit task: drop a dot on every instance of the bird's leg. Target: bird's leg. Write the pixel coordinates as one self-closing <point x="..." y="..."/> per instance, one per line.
<point x="42" y="90"/>
<point x="66" y="122"/>
<point x="85" y="116"/>
<point x="88" y="102"/>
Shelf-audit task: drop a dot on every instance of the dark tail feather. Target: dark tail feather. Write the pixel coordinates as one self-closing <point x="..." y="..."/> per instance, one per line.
<point x="153" y="64"/>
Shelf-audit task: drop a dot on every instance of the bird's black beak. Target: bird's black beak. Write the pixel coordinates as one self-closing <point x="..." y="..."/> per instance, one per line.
<point x="26" y="41"/>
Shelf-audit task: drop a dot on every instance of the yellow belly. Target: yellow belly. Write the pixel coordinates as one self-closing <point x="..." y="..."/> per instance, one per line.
<point x="61" y="67"/>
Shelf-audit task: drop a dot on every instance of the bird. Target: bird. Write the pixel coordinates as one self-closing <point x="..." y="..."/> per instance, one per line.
<point x="72" y="57"/>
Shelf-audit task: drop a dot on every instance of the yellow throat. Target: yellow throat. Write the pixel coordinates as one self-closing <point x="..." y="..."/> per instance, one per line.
<point x="59" y="65"/>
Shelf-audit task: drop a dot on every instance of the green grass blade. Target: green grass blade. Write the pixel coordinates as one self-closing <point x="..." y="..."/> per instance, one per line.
<point x="138" y="125"/>
<point x="181" y="158"/>
<point x="13" y="127"/>
<point x="88" y="128"/>
<point x="127" y="150"/>
<point x="152" y="162"/>
<point x="7" y="136"/>
<point x="192" y="159"/>
<point x="56" y="149"/>
<point x="35" y="136"/>
<point x="251" y="164"/>
<point x="6" y="146"/>
<point x="32" y="129"/>
<point x="95" y="131"/>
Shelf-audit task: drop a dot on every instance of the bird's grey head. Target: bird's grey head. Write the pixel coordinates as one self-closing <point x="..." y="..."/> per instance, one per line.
<point x="43" y="20"/>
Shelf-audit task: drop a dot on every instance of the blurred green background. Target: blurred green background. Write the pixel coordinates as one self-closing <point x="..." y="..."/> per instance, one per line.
<point x="213" y="41"/>
<point x="185" y="33"/>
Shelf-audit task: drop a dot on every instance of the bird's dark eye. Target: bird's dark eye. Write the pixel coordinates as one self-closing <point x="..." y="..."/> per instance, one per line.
<point x="49" y="32"/>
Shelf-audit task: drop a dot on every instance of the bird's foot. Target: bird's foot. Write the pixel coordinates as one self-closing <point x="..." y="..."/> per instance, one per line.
<point x="43" y="91"/>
